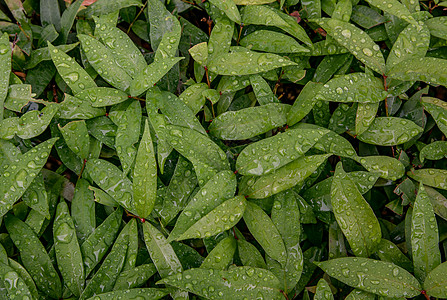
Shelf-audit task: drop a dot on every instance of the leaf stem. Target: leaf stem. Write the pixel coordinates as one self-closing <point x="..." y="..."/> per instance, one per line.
<point x="136" y="17"/>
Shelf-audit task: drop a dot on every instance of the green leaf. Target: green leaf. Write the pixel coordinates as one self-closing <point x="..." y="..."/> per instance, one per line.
<point x="17" y="177"/>
<point x="104" y="279"/>
<point x="354" y="87"/>
<point x="246" y="63"/>
<point x="356" y="41"/>
<point x="134" y="277"/>
<point x="438" y="201"/>
<point x="437" y="27"/>
<point x="435" y="151"/>
<point x="15" y="286"/>
<point x="249" y="122"/>
<point x="221" y="256"/>
<point x="101" y="59"/>
<point x="366" y="112"/>
<point x="281" y="179"/>
<point x="323" y="291"/>
<point x="262" y="90"/>
<point x="67" y="20"/>
<point x="206" y="157"/>
<point x="271" y="41"/>
<point x="178" y="192"/>
<point x="145" y="176"/>
<point x="405" y="46"/>
<point x="36" y="196"/>
<point x="286" y="218"/>
<point x="33" y="123"/>
<point x="229" y="8"/>
<point x="381" y="278"/>
<point x="221" y="218"/>
<point x="76" y="137"/>
<point x="387" y="167"/>
<point x="220" y="187"/>
<point x="161" y="21"/>
<point x="238" y="282"/>
<point x="427" y="69"/>
<point x="34" y="257"/>
<point x="354" y="215"/>
<point x="83" y="210"/>
<point x="432" y="177"/>
<point x="388" y="251"/>
<point x="424" y="236"/>
<point x="272" y="153"/>
<point x="71" y="72"/>
<point x="151" y="75"/>
<point x="395" y="8"/>
<point x="124" y="51"/>
<point x="220" y="38"/>
<point x="265" y="232"/>
<point x="141" y="294"/>
<point x="26" y="277"/>
<point x="390" y="131"/>
<point x="360" y="295"/>
<point x="43" y="54"/>
<point x="437" y="109"/>
<point x="75" y="108"/>
<point x="103" y="7"/>
<point x="199" y="53"/>
<point x="303" y="103"/>
<point x="5" y="68"/>
<point x="161" y="252"/>
<point x="68" y="252"/>
<point x="436" y="283"/>
<point x="98" y="243"/>
<point x="250" y="255"/>
<point x="102" y="96"/>
<point x="19" y="95"/>
<point x="109" y="178"/>
<point x="193" y="97"/>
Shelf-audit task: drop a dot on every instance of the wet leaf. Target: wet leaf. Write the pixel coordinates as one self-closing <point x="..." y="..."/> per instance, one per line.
<point x="145" y="176"/>
<point x="281" y="179"/>
<point x="437" y="26"/>
<point x="34" y="257"/>
<point x="68" y="252"/>
<point x="43" y="54"/>
<point x="15" y="286"/>
<point x="323" y="291"/>
<point x="354" y="215"/>
<point x="142" y="293"/>
<point x="406" y="47"/>
<point x="221" y="218"/>
<point x="19" y="95"/>
<point x="26" y="277"/>
<point x="102" y="96"/>
<point x="250" y="255"/>
<point x="438" y="201"/>
<point x="98" y="243"/>
<point x="193" y="97"/>
<point x="206" y="157"/>
<point x="229" y="8"/>
<point x="381" y="278"/>
<point x="34" y="122"/>
<point x="360" y="295"/>
<point x="438" y="110"/>
<point x="134" y="277"/>
<point x="75" y="108"/>
<point x="432" y="177"/>
<point x="366" y="112"/>
<point x="424" y="236"/>
<point x="265" y="232"/>
<point x="151" y="75"/>
<point x="387" y="167"/>
<point x="83" y="210"/>
<point x="435" y="283"/>
<point x="36" y="196"/>
<point x="5" y="68"/>
<point x="76" y="137"/>
<point x="238" y="282"/>
<point x="221" y="256"/>
<point x="272" y="153"/>
<point x="427" y="69"/>
<point x="354" y="87"/>
<point x="220" y="187"/>
<point x="101" y="59"/>
<point x="434" y="151"/>
<point x="104" y="279"/>
<point x="246" y="63"/>
<point x="262" y="90"/>
<point x="271" y="41"/>
<point x="249" y="122"/>
<point x="71" y="72"/>
<point x="388" y="251"/>
<point x="124" y="51"/>
<point x="395" y="8"/>
<point x="389" y="131"/>
<point x="17" y="177"/>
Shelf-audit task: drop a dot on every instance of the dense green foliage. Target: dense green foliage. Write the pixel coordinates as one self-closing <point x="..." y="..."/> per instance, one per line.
<point x="224" y="149"/>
